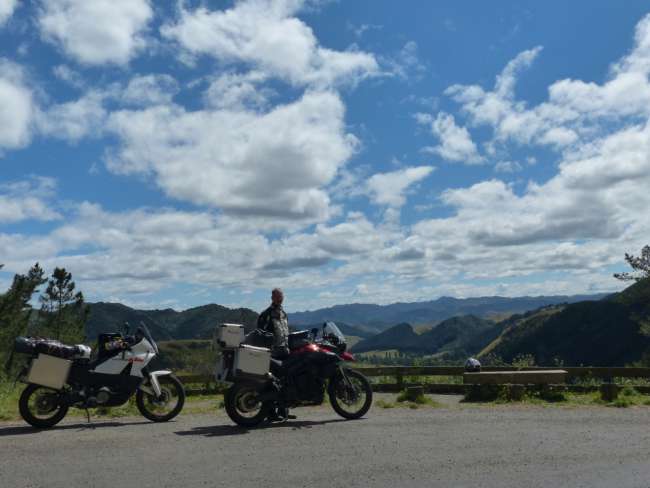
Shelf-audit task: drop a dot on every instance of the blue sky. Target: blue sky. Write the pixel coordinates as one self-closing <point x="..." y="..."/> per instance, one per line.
<point x="173" y="154"/>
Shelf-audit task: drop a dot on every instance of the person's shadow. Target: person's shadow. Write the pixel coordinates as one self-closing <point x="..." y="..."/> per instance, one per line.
<point x="227" y="430"/>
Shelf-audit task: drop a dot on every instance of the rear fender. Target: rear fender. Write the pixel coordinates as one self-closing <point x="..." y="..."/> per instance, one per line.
<point x="151" y="384"/>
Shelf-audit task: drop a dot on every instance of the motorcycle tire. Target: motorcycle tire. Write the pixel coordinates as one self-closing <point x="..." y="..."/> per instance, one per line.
<point x="143" y="400"/>
<point x="335" y="387"/>
<point x="236" y="396"/>
<point x="35" y="419"/>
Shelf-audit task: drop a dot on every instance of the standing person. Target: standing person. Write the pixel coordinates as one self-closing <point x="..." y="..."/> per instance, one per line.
<point x="274" y="320"/>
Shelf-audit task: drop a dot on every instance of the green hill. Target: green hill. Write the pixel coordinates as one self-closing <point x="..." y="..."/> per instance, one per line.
<point x="614" y="331"/>
<point x="167" y="324"/>
<point x="401" y="337"/>
<point x="455" y="337"/>
<point x="460" y="337"/>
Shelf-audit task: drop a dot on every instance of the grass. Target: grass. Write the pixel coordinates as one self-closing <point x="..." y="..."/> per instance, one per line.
<point x="195" y="404"/>
<point x="416" y="402"/>
<point x="9" y="401"/>
<point x="384" y="404"/>
<point x="498" y="395"/>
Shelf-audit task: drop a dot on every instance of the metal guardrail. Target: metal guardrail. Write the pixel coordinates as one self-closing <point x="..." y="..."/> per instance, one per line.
<point x="403" y="373"/>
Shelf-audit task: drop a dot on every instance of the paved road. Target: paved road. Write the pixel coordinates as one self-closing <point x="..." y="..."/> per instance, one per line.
<point x="505" y="446"/>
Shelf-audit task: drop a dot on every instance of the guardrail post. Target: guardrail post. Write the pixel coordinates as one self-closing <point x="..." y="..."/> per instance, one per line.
<point x="400" y="380"/>
<point x="609" y="392"/>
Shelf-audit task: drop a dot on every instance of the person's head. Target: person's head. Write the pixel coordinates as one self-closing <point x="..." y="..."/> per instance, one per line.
<point x="277" y="296"/>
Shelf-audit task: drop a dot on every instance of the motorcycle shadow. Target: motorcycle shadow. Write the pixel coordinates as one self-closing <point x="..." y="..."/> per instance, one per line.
<point x="27" y="429"/>
<point x="227" y="430"/>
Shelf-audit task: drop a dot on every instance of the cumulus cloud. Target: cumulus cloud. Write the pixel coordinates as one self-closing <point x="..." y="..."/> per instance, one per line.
<point x="97" y="32"/>
<point x="141" y="251"/>
<point x="271" y="164"/>
<point x="74" y="120"/>
<point x="70" y="76"/>
<point x="583" y="218"/>
<point x="390" y="188"/>
<point x="266" y="35"/>
<point x="575" y="111"/>
<point x="153" y="89"/>
<point x="27" y="200"/>
<point x="16" y="106"/>
<point x="238" y="91"/>
<point x="455" y="142"/>
<point x="6" y="9"/>
<point x="507" y="167"/>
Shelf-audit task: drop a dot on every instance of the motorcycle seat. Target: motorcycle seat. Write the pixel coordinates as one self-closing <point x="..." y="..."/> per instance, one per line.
<point x="33" y="345"/>
<point x="298" y="339"/>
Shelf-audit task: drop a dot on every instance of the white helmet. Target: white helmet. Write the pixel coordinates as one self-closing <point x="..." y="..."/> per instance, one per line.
<point x="472" y="365"/>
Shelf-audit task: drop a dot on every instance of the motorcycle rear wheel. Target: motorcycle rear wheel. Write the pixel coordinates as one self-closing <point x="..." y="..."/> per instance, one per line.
<point x="243" y="405"/>
<point x="158" y="409"/>
<point x="41" y="407"/>
<point x="350" y="401"/>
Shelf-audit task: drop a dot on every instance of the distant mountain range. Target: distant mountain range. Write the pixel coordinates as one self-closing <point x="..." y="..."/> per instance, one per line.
<point x="377" y="318"/>
<point x="167" y="324"/>
<point x="360" y="320"/>
<point x="570" y="330"/>
<point x="453" y="338"/>
<point x="612" y="331"/>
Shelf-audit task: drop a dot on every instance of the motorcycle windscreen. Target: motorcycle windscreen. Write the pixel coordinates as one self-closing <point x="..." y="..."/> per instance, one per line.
<point x="332" y="333"/>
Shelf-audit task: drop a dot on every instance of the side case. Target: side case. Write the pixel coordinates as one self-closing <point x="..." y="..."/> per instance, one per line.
<point x="49" y="371"/>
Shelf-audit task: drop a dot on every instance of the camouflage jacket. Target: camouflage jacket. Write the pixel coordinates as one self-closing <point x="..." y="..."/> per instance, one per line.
<point x="274" y="320"/>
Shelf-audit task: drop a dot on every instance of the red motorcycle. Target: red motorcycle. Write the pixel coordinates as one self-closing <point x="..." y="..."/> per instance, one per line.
<point x="261" y="385"/>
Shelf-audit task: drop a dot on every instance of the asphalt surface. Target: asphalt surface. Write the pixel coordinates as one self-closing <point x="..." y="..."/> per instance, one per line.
<point x="503" y="446"/>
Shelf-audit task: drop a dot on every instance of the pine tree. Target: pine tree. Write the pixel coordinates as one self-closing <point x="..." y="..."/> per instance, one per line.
<point x="640" y="266"/>
<point x="15" y="310"/>
<point x="64" y="311"/>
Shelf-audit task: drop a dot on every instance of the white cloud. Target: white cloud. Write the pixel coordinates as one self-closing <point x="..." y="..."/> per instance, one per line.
<point x="455" y="142"/>
<point x="28" y="200"/>
<point x="238" y="91"/>
<point x="154" y="89"/>
<point x="266" y="35"/>
<point x="575" y="111"/>
<point x="360" y="30"/>
<point x="6" y="10"/>
<point x="389" y="188"/>
<point x="70" y="76"/>
<point x="406" y="64"/>
<point x="271" y="164"/>
<point x="507" y="167"/>
<point x="74" y="120"/>
<point x="96" y="32"/>
<point x="599" y="196"/>
<point x="16" y="106"/>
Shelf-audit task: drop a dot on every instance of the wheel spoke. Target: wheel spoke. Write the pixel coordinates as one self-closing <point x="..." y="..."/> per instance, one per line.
<point x="168" y="400"/>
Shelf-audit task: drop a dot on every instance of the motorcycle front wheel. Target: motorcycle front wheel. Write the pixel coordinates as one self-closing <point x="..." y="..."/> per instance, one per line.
<point x="168" y="406"/>
<point x="243" y="405"/>
<point x="350" y="399"/>
<point x="41" y="407"/>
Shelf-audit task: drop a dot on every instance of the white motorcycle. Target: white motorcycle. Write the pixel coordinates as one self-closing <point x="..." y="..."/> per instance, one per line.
<point x="60" y="376"/>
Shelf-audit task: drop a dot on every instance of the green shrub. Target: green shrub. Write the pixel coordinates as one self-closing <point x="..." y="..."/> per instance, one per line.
<point x="628" y="391"/>
<point x="384" y="404"/>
